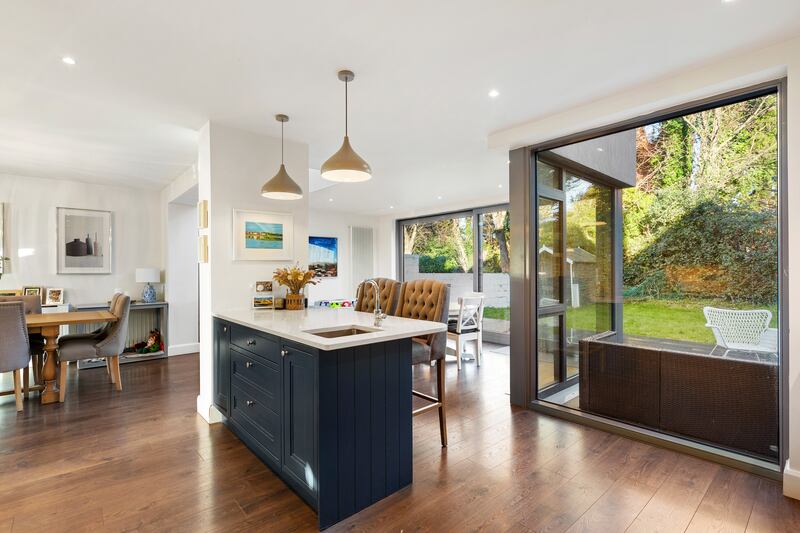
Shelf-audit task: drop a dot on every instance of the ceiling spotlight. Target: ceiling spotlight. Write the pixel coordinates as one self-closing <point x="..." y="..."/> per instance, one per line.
<point x="391" y="207"/>
<point x="330" y="199"/>
<point x="494" y="93"/>
<point x="599" y="149"/>
<point x="438" y="197"/>
<point x="68" y="60"/>
<point x="500" y="186"/>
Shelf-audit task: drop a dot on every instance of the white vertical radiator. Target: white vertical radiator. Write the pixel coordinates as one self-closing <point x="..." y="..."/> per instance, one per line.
<point x="362" y="256"/>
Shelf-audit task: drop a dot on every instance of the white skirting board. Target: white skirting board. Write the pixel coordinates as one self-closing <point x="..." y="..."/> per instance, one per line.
<point x="791" y="482"/>
<point x="180" y="349"/>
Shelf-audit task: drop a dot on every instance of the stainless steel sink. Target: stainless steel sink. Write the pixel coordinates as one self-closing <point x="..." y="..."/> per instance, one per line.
<point x="346" y="331"/>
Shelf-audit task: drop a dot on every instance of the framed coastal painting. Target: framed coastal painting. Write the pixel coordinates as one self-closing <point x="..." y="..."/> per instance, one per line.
<point x="323" y="256"/>
<point x="261" y="236"/>
<point x="83" y="241"/>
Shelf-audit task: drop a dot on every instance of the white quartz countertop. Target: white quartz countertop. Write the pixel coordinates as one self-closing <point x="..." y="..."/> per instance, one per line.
<point x="295" y="326"/>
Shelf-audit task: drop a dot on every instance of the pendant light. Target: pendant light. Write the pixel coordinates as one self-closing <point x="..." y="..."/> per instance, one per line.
<point x="346" y="165"/>
<point x="282" y="186"/>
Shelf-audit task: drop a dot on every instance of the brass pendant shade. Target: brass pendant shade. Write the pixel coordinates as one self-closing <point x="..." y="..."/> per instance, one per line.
<point x="281" y="186"/>
<point x="346" y="166"/>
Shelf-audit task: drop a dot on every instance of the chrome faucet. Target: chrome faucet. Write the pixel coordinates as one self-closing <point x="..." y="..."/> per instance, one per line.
<point x="379" y="315"/>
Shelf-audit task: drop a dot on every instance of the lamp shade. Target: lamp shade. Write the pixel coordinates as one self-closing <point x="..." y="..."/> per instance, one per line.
<point x="282" y="187"/>
<point x="346" y="165"/>
<point x="148" y="275"/>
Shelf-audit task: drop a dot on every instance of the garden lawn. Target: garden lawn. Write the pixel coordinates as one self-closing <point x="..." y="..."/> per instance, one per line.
<point x="664" y="319"/>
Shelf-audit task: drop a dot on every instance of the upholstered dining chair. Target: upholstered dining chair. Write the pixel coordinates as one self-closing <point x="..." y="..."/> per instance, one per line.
<point x="98" y="333"/>
<point x="389" y="290"/>
<point x="15" y="348"/>
<point x="427" y="299"/>
<point x="108" y="346"/>
<point x="32" y="305"/>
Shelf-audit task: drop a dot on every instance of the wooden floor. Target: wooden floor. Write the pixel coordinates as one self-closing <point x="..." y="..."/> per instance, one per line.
<point x="144" y="460"/>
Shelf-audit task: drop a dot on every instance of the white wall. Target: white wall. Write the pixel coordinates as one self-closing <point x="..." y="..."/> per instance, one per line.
<point x="337" y="224"/>
<point x="181" y="278"/>
<point x="744" y="69"/>
<point x="30" y="235"/>
<point x="232" y="166"/>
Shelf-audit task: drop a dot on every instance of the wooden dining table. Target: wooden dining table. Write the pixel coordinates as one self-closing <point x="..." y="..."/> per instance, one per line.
<point x="49" y="325"/>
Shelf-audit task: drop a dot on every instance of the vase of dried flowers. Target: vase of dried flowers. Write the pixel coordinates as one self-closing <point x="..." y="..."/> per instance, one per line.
<point x="294" y="279"/>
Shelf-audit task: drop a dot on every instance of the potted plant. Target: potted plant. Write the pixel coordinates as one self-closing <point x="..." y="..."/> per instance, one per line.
<point x="295" y="279"/>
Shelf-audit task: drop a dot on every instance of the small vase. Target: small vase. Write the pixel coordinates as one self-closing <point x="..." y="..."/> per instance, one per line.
<point x="294" y="302"/>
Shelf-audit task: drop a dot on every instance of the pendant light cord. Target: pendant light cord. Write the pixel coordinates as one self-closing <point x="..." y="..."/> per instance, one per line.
<point x="345" y="108"/>
<point x="281" y="142"/>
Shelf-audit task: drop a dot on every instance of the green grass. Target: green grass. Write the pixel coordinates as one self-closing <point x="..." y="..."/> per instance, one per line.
<point x="664" y="319"/>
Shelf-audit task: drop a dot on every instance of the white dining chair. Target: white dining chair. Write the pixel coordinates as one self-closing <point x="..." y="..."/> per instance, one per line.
<point x="467" y="326"/>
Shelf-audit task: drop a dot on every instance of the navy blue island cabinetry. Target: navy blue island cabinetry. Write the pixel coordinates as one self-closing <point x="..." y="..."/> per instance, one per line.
<point x="334" y="424"/>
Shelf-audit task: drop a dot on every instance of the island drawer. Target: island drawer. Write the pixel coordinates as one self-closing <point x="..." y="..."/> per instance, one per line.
<point x="263" y="374"/>
<point x="251" y="413"/>
<point x="263" y="345"/>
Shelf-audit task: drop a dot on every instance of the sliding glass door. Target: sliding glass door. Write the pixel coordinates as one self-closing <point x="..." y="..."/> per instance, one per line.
<point x="470" y="250"/>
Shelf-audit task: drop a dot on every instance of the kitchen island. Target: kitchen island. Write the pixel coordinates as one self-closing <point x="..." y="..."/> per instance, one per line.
<point x="323" y="397"/>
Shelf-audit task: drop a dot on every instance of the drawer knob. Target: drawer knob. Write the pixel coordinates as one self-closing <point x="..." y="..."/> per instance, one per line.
<point x="248" y="364"/>
<point x="251" y="342"/>
<point x="250" y="403"/>
<point x="284" y="353"/>
<point x="224" y="328"/>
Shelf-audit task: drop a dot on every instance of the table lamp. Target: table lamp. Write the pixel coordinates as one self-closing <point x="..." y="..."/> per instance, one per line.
<point x="148" y="276"/>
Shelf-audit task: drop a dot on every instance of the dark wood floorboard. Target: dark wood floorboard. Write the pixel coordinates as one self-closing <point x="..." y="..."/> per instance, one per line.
<point x="143" y="460"/>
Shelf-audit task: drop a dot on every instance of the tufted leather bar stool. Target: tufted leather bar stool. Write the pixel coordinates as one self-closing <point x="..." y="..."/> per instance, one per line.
<point x="428" y="299"/>
<point x="389" y="290"/>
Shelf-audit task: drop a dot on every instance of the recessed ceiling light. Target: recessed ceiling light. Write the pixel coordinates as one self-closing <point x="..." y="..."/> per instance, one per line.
<point x="599" y="149"/>
<point x="438" y="197"/>
<point x="68" y="60"/>
<point x="508" y="162"/>
<point x="494" y="93"/>
<point x="391" y="207"/>
<point x="500" y="186"/>
<point x="330" y="199"/>
<point x="727" y="1"/>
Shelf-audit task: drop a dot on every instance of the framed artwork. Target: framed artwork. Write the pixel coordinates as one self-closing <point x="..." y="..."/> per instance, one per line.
<point x="262" y="302"/>
<point x="31" y="291"/>
<point x="11" y="292"/>
<point x="323" y="256"/>
<point x="84" y="241"/>
<point x="263" y="286"/>
<point x="54" y="296"/>
<point x="260" y="236"/>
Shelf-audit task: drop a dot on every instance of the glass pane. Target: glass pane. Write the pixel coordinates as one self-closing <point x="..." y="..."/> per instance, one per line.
<point x="549" y="247"/>
<point x="548" y="350"/>
<point x="548" y="176"/>
<point x="589" y="262"/>
<point x="441" y="250"/>
<point x="495" y="281"/>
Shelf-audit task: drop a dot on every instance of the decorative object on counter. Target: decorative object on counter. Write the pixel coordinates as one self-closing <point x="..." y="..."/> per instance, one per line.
<point x="336" y="304"/>
<point x="202" y="248"/>
<point x="261" y="236"/>
<point x="84" y="241"/>
<point x="148" y="276"/>
<point x="154" y="343"/>
<point x="281" y="186"/>
<point x="323" y="256"/>
<point x="279" y="303"/>
<point x="262" y="297"/>
<point x="54" y="296"/>
<point x="202" y="214"/>
<point x="295" y="279"/>
<point x="346" y="165"/>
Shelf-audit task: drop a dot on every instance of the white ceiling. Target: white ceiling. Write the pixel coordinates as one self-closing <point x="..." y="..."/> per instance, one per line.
<point x="150" y="73"/>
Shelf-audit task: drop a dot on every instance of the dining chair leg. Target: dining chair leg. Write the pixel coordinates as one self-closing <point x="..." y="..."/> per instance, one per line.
<point x="35" y="365"/>
<point x="62" y="381"/>
<point x="440" y="394"/>
<point x="115" y="371"/>
<point x="458" y="352"/>
<point x="18" y="390"/>
<point x="110" y="369"/>
<point x="479" y="348"/>
<point x="26" y="382"/>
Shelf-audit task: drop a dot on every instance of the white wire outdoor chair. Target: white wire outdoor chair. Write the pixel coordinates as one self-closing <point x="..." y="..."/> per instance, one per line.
<point x="737" y="330"/>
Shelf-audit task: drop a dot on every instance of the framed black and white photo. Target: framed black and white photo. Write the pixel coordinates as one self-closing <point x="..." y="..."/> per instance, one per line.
<point x="84" y="241"/>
